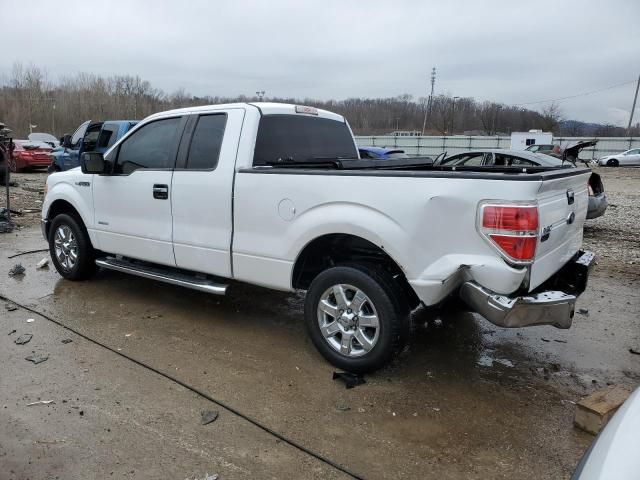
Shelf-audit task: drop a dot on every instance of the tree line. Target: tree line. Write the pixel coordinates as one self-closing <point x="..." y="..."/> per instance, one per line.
<point x="31" y="101"/>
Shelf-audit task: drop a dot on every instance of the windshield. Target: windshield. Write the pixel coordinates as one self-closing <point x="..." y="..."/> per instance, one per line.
<point x="302" y="138"/>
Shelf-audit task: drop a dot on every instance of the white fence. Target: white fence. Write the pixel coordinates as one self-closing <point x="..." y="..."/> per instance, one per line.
<point x="432" y="146"/>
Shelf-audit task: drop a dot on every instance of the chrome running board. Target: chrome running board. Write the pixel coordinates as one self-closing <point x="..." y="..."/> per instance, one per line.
<point x="162" y="274"/>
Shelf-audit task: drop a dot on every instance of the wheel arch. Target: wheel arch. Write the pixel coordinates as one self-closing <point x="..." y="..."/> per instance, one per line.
<point x="331" y="249"/>
<point x="61" y="206"/>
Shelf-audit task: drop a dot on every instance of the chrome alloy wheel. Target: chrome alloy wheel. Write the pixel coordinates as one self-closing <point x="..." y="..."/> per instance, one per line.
<point x="65" y="247"/>
<point x="348" y="320"/>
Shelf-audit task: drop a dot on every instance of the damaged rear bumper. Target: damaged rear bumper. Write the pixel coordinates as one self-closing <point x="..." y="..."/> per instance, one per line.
<point x="553" y="303"/>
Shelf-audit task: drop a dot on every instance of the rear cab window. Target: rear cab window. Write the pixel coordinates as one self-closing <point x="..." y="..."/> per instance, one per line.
<point x="206" y="142"/>
<point x="283" y="137"/>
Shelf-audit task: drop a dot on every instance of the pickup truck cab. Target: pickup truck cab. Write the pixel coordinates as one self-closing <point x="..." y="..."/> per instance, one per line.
<point x="88" y="137"/>
<point x="276" y="195"/>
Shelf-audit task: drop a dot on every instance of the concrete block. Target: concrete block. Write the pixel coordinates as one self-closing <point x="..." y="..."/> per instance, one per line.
<point x="593" y="412"/>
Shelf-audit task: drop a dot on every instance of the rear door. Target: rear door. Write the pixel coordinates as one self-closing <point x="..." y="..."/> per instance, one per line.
<point x="203" y="190"/>
<point x="562" y="210"/>
<point x="133" y="205"/>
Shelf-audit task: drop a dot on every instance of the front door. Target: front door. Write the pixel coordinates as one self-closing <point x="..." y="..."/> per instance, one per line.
<point x="133" y="204"/>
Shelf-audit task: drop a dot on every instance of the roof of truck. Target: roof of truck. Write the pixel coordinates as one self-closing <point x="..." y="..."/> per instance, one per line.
<point x="266" y="108"/>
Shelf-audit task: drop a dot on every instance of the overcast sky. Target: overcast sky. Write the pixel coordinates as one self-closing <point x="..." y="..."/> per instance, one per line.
<point x="508" y="51"/>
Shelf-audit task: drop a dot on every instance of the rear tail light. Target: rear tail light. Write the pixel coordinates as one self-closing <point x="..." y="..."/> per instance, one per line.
<point x="510" y="228"/>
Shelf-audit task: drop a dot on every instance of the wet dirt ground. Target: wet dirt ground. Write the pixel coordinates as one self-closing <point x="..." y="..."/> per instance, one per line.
<point x="466" y="400"/>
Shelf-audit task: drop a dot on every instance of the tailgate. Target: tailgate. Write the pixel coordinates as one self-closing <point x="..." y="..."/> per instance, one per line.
<point x="562" y="210"/>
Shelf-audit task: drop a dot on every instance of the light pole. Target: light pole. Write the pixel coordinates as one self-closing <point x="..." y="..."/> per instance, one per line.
<point x="495" y="117"/>
<point x="453" y="113"/>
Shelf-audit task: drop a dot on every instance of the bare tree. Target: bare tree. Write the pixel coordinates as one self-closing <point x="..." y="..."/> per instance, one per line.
<point x="551" y="117"/>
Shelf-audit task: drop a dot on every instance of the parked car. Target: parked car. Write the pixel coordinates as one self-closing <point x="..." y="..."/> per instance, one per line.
<point x="44" y="137"/>
<point x="522" y="158"/>
<point x="625" y="159"/>
<point x="381" y="153"/>
<point x="275" y="195"/>
<point x="27" y="154"/>
<point x="546" y="149"/>
<point x="88" y="137"/>
<point x="570" y="152"/>
<point x="613" y="455"/>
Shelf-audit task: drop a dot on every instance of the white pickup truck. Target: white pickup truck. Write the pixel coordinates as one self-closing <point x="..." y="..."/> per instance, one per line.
<point x="275" y="195"/>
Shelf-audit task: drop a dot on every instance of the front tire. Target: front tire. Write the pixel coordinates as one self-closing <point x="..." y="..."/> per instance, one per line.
<point x="70" y="248"/>
<point x="613" y="162"/>
<point x="356" y="317"/>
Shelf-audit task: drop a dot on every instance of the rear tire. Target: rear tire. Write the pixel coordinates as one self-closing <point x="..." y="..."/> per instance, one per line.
<point x="70" y="248"/>
<point x="613" y="162"/>
<point x="357" y="317"/>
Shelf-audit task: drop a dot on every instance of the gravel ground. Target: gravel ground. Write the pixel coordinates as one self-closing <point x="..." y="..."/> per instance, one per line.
<point x="26" y="196"/>
<point x="615" y="237"/>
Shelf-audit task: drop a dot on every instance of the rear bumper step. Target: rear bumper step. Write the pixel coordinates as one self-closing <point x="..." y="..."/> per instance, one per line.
<point x="166" y="275"/>
<point x="554" y="306"/>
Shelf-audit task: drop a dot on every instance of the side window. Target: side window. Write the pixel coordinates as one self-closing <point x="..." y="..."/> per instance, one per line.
<point x="466" y="159"/>
<point x="520" y="162"/>
<point x="107" y="136"/>
<point x="509" y="161"/>
<point x="91" y="138"/>
<point x="152" y="146"/>
<point x="206" y="142"/>
<point x="79" y="134"/>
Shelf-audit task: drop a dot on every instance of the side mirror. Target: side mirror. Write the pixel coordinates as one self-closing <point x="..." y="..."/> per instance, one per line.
<point x="92" y="162"/>
<point x="66" y="141"/>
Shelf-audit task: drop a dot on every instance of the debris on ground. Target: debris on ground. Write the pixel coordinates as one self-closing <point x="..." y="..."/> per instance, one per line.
<point x="635" y="351"/>
<point x="31" y="320"/>
<point x="16" y="270"/>
<point x="6" y="225"/>
<point x="342" y="407"/>
<point x="66" y="340"/>
<point x="594" y="411"/>
<point x="208" y="416"/>
<point x="37" y="358"/>
<point x="10" y="307"/>
<point x="350" y="379"/>
<point x="583" y="311"/>
<point x="44" y="263"/>
<point x="24" y="339"/>
<point x="40" y="402"/>
<point x="12" y="332"/>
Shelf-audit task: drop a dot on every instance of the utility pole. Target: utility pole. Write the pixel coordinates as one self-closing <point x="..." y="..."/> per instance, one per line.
<point x="427" y="112"/>
<point x="453" y="113"/>
<point x="635" y="99"/>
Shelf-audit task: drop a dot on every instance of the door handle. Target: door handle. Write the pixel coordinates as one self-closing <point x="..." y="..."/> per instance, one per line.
<point x="161" y="192"/>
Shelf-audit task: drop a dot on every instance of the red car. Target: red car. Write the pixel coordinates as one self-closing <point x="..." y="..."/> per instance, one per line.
<point x="27" y="154"/>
